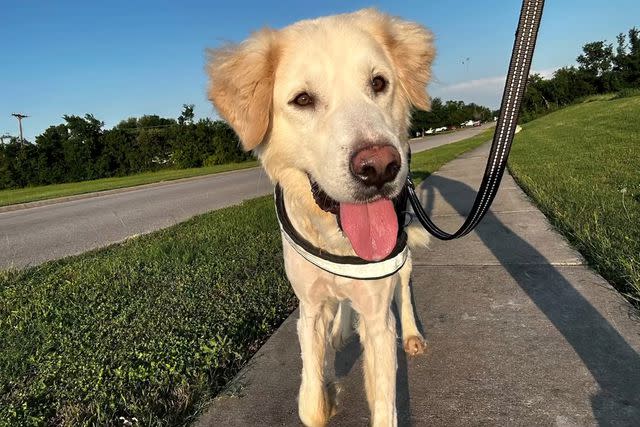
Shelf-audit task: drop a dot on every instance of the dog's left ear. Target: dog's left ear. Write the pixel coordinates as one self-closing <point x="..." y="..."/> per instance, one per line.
<point x="241" y="85"/>
<point x="410" y="46"/>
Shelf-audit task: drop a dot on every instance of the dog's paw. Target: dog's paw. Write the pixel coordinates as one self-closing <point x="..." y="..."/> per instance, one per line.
<point x="417" y="236"/>
<point x="414" y="345"/>
<point x="318" y="413"/>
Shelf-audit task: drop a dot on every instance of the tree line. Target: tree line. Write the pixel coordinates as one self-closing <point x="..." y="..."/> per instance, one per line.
<point x="602" y="68"/>
<point x="449" y="113"/>
<point x="81" y="149"/>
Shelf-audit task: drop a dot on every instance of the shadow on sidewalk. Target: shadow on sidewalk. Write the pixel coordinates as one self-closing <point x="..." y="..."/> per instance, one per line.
<point x="612" y="362"/>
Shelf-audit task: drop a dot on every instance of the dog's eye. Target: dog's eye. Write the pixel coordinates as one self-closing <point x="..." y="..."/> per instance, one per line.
<point x="303" y="99"/>
<point x="378" y="84"/>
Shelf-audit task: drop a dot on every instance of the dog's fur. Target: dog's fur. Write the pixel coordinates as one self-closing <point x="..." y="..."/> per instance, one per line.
<point x="334" y="59"/>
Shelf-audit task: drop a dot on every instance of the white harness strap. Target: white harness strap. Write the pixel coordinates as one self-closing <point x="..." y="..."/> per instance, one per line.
<point x="345" y="266"/>
<point x="373" y="270"/>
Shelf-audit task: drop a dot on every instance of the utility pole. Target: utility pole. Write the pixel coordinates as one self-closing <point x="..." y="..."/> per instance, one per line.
<point x="20" y="116"/>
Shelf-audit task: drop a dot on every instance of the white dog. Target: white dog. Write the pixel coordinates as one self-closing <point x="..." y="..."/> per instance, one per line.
<point x="326" y="105"/>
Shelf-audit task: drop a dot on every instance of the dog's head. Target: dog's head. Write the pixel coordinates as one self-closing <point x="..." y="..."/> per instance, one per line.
<point x="329" y="98"/>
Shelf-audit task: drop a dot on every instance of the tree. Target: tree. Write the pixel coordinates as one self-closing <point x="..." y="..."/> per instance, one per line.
<point x="81" y="149"/>
<point x="227" y="147"/>
<point x="18" y="164"/>
<point x="567" y="85"/>
<point x="596" y="63"/>
<point x="83" y="146"/>
<point x="115" y="157"/>
<point x="186" y="117"/>
<point x="627" y="59"/>
<point x="596" y="59"/>
<point x="633" y="58"/>
<point x="51" y="163"/>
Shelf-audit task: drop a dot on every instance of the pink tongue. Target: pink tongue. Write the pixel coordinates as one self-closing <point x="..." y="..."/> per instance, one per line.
<point x="372" y="228"/>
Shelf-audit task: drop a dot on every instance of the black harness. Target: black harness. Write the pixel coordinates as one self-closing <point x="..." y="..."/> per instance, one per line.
<point x="346" y="266"/>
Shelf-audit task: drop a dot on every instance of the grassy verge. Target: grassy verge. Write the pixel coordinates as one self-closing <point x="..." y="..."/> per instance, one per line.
<point x="150" y="328"/>
<point x="426" y="162"/>
<point x="32" y="194"/>
<point x="581" y="166"/>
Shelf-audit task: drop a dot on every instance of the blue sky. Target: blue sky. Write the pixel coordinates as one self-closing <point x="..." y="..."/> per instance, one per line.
<point x="118" y="59"/>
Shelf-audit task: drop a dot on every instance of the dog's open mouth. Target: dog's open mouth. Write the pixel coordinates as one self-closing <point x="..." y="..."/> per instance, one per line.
<point x="372" y="228"/>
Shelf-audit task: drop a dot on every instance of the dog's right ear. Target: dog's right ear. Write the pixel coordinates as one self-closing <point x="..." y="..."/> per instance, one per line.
<point x="241" y="85"/>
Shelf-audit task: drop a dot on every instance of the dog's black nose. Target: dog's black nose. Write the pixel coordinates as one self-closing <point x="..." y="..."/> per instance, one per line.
<point x="375" y="165"/>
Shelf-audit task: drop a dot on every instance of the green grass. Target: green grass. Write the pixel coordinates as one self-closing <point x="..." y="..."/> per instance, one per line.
<point x="581" y="165"/>
<point x="32" y="194"/>
<point x="628" y="93"/>
<point x="149" y="328"/>
<point x="153" y="327"/>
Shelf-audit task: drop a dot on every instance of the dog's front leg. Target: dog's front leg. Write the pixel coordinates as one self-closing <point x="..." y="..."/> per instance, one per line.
<point x="317" y="308"/>
<point x="377" y="328"/>
<point x="314" y="404"/>
<point x="380" y="366"/>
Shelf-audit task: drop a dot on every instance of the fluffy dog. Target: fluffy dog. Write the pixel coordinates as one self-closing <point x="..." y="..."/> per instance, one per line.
<point x="326" y="104"/>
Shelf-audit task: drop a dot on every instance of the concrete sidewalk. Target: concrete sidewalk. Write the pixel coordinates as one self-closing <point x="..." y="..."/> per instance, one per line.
<point x="520" y="331"/>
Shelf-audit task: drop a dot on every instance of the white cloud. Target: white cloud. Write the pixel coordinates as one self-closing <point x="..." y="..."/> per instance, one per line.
<point x="485" y="91"/>
<point x="547" y="74"/>
<point x="473" y="84"/>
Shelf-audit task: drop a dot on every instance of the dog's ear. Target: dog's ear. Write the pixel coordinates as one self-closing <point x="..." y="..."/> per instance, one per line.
<point x="241" y="85"/>
<point x="410" y="46"/>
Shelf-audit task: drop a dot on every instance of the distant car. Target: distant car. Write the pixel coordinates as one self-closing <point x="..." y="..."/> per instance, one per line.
<point x="468" y="123"/>
<point x="430" y="131"/>
<point x="441" y="129"/>
<point x="477" y="123"/>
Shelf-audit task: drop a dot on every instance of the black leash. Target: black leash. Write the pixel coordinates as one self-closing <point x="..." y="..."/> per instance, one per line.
<point x="521" y="56"/>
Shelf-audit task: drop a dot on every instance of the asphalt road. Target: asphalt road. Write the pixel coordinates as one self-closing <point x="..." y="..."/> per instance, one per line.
<point x="33" y="235"/>
<point x="421" y="144"/>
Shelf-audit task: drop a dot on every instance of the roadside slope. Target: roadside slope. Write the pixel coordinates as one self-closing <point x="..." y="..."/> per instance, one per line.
<point x="581" y="166"/>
